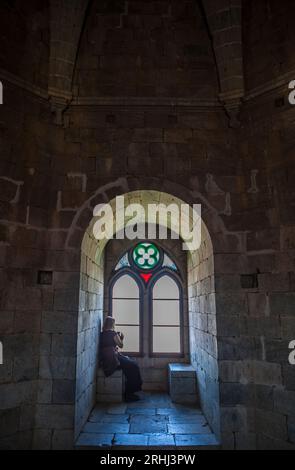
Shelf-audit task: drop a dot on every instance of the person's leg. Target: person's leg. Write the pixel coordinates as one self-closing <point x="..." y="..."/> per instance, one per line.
<point x="132" y="373"/>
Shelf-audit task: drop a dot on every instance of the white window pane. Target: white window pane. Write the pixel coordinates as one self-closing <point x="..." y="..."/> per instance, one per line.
<point x="131" y="337"/>
<point x="126" y="288"/>
<point x="166" y="288"/>
<point x="166" y="339"/>
<point x="166" y="312"/>
<point x="126" y="311"/>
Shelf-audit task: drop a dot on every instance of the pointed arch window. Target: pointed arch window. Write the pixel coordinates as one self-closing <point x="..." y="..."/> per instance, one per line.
<point x="146" y="300"/>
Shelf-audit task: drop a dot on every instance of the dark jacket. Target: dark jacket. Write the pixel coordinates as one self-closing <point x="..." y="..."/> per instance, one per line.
<point x="108" y="353"/>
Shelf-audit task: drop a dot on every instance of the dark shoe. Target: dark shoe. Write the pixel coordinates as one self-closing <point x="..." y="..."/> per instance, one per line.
<point x="131" y="397"/>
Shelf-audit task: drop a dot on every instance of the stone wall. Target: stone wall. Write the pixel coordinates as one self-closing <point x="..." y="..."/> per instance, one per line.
<point x="244" y="179"/>
<point x="89" y="327"/>
<point x="149" y="49"/>
<point x="203" y="328"/>
<point x="25" y="40"/>
<point x="268" y="35"/>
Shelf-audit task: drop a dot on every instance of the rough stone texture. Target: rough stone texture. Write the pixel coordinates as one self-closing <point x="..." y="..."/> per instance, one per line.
<point x="182" y="383"/>
<point x="89" y="327"/>
<point x="109" y="389"/>
<point x="147" y="431"/>
<point x="171" y="135"/>
<point x="203" y="340"/>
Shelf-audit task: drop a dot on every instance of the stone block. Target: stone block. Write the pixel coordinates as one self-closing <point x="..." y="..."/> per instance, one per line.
<point x="258" y="304"/>
<point x="92" y="440"/>
<point x="25" y="368"/>
<point x="181" y="370"/>
<point x="289" y="377"/>
<point x="44" y="391"/>
<point x="190" y="428"/>
<point x="161" y="440"/>
<point x="271" y="424"/>
<point x="134" y="440"/>
<point x="63" y="440"/>
<point x="261" y="326"/>
<point x="177" y="135"/>
<point x="120" y="419"/>
<point x="282" y="304"/>
<point x="236" y="394"/>
<point x="284" y="402"/>
<point x="245" y="441"/>
<point x="147" y="135"/>
<point x="109" y="389"/>
<point x="265" y="397"/>
<point x="20" y="345"/>
<point x="66" y="299"/>
<point x="227" y="325"/>
<point x="52" y="367"/>
<point x="116" y="409"/>
<point x="27" y="417"/>
<point x="6" y="371"/>
<point x="288" y="327"/>
<point x="148" y="426"/>
<point x="58" y="322"/>
<point x="45" y="344"/>
<point x="231" y="304"/>
<point x="108" y="398"/>
<point x="268" y="443"/>
<point x="42" y="439"/>
<point x="229" y="263"/>
<point x="185" y="398"/>
<point x="26" y="321"/>
<point x="106" y="428"/>
<point x="55" y="416"/>
<point x="6" y="321"/>
<point x="182" y="383"/>
<point x="265" y="373"/>
<point x="277" y="350"/>
<point x="25" y="299"/>
<point x="63" y="345"/>
<point x="9" y="421"/>
<point x="233" y="419"/>
<point x="144" y="411"/>
<point x="63" y="391"/>
<point x="197" y="441"/>
<point x="291" y="429"/>
<point x="274" y="282"/>
<point x="16" y="394"/>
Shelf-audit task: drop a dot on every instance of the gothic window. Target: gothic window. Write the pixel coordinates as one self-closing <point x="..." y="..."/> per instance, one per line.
<point x="146" y="301"/>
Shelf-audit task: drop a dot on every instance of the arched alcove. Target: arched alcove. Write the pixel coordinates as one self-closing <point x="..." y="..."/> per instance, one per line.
<point x="202" y="346"/>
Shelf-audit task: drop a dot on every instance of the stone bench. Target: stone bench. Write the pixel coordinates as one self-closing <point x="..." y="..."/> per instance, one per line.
<point x="182" y="383"/>
<point x="109" y="389"/>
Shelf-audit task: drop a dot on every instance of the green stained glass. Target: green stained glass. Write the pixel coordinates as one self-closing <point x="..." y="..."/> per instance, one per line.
<point x="146" y="256"/>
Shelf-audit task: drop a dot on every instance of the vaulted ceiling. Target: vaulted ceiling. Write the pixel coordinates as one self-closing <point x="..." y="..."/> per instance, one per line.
<point x="223" y="18"/>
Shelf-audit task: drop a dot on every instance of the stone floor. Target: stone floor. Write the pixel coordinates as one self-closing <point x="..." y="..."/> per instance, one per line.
<point x="153" y="422"/>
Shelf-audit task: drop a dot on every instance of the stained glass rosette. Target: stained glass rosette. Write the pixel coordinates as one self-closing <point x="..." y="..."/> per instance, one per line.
<point x="146" y="256"/>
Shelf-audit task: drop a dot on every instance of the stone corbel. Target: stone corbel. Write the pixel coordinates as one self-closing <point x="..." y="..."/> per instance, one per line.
<point x="232" y="105"/>
<point x="59" y="105"/>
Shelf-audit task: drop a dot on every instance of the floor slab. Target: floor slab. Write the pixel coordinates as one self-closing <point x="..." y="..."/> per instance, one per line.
<point x="154" y="422"/>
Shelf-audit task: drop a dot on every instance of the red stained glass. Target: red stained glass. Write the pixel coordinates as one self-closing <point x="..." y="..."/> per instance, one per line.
<point x="145" y="277"/>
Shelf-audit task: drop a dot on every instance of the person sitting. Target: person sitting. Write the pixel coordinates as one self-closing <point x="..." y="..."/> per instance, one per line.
<point x="111" y="359"/>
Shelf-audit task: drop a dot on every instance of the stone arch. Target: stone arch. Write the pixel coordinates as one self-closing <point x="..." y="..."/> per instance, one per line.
<point x="210" y="215"/>
<point x="201" y="292"/>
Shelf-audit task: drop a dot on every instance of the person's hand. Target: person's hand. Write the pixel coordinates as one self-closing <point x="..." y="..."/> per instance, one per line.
<point x="121" y="336"/>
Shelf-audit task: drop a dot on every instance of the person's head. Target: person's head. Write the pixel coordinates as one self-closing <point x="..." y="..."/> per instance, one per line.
<point x="109" y="324"/>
